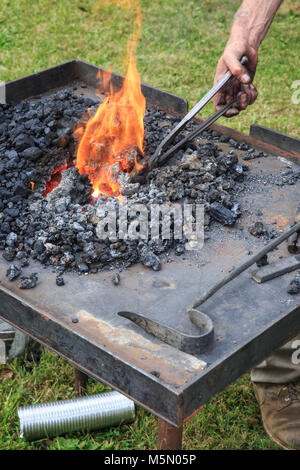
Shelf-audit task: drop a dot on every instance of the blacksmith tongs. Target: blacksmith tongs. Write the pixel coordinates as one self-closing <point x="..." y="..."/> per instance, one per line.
<point x="158" y="157"/>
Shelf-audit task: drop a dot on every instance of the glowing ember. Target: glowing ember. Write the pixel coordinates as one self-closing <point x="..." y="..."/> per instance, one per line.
<point x="54" y="180"/>
<point x="114" y="135"/>
<point x="32" y="185"/>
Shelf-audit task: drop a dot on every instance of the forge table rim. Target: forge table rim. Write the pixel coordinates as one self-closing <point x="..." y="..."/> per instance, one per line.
<point x="176" y="404"/>
<point x="179" y="402"/>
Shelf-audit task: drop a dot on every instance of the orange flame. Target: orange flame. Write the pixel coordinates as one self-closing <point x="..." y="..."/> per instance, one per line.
<point x="110" y="140"/>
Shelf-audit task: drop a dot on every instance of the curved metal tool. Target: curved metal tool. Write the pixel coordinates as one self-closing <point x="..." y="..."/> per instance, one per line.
<point x="197" y="344"/>
<point x="192" y="344"/>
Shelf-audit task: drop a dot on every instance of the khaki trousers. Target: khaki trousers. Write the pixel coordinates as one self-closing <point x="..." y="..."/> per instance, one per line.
<point x="282" y="366"/>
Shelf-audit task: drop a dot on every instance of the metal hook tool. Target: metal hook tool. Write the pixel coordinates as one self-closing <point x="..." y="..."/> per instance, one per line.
<point x="192" y="344"/>
<point x="197" y="344"/>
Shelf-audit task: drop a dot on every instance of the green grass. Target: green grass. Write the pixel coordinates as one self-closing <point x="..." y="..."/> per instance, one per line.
<point x="180" y="45"/>
<point x="178" y="51"/>
<point x="229" y="421"/>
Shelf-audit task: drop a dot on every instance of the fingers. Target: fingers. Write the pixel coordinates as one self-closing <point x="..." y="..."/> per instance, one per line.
<point x="252" y="61"/>
<point x="220" y="71"/>
<point x="236" y="68"/>
<point x="232" y="112"/>
<point x="220" y="102"/>
<point x="239" y="86"/>
<point x="246" y="96"/>
<point x="242" y="102"/>
<point x="253" y="93"/>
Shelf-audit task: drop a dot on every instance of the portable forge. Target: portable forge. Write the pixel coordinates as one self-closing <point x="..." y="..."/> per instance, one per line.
<point x="79" y="320"/>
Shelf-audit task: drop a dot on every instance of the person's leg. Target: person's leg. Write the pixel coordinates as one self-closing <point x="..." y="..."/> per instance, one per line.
<point x="282" y="366"/>
<point x="277" y="388"/>
<point x="18" y="342"/>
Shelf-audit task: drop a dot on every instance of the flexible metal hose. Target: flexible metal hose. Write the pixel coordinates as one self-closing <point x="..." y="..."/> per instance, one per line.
<point x="86" y="413"/>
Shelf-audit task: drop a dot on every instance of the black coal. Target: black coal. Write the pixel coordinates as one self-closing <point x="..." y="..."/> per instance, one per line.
<point x="60" y="229"/>
<point x="294" y="285"/>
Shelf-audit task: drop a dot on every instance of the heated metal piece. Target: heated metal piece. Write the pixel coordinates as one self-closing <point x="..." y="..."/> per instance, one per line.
<point x="192" y="113"/>
<point x="192" y="344"/>
<point x="266" y="273"/>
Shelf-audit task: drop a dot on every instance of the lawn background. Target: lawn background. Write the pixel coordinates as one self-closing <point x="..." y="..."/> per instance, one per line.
<point x="180" y="45"/>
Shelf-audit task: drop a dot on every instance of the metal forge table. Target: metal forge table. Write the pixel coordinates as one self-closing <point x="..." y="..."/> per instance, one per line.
<point x="250" y="320"/>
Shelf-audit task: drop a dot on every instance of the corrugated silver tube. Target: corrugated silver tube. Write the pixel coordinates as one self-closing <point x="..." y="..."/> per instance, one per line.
<point x="85" y="413"/>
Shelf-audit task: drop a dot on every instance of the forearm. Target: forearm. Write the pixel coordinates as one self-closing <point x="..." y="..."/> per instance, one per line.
<point x="252" y="21"/>
<point x="249" y="28"/>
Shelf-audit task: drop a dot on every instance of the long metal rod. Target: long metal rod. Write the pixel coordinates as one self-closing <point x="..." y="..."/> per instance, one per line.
<point x="245" y="265"/>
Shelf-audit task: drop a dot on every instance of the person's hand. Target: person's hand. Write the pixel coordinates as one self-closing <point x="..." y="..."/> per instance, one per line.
<point x="240" y="85"/>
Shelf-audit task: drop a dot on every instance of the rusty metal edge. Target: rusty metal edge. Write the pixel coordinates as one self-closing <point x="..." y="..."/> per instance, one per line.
<point x="259" y="144"/>
<point x="40" y="82"/>
<point x="156" y="97"/>
<point x="162" y="401"/>
<point x="64" y="73"/>
<point x="283" y="141"/>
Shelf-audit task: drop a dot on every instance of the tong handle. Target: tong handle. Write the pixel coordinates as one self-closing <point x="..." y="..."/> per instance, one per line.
<point x="205" y="125"/>
<point x="217" y="87"/>
<point x="210" y="94"/>
<point x="195" y="110"/>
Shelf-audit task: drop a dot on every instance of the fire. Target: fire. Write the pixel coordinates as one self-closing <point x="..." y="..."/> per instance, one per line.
<point x="112" y="138"/>
<point x="96" y="193"/>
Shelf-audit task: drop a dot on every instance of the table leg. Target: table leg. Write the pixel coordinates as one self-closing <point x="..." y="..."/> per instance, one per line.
<point x="80" y="381"/>
<point x="169" y="437"/>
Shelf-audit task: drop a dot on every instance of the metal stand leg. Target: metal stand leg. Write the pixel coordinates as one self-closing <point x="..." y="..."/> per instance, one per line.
<point x="169" y="437"/>
<point x="80" y="381"/>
